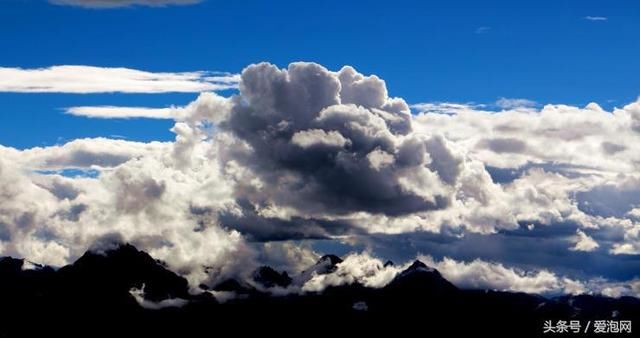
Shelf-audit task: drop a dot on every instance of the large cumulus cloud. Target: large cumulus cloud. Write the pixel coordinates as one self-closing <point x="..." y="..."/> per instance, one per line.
<point x="332" y="149"/>
<point x="311" y="149"/>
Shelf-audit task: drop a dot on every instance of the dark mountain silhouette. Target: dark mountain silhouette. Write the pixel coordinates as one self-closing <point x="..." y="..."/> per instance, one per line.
<point x="327" y="264"/>
<point x="93" y="296"/>
<point x="268" y="277"/>
<point x="119" y="270"/>
<point x="420" y="279"/>
<point x="332" y="259"/>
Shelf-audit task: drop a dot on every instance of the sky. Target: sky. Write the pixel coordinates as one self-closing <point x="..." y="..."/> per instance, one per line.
<point x="495" y="140"/>
<point x="447" y="51"/>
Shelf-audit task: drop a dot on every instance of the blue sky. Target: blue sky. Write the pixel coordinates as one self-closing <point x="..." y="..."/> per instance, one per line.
<point x="504" y="158"/>
<point x="449" y="51"/>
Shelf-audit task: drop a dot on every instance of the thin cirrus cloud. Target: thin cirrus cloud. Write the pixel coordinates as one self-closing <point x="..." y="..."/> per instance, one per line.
<point x="106" y="4"/>
<point x="595" y="18"/>
<point x="482" y="30"/>
<point x="89" y="79"/>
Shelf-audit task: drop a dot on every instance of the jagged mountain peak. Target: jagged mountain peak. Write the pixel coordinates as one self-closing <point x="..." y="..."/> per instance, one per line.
<point x="10" y="265"/>
<point x="419" y="265"/>
<point x="332" y="259"/>
<point x="122" y="267"/>
<point x="419" y="277"/>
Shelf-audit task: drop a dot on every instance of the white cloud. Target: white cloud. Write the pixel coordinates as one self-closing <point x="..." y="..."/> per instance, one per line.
<point x="553" y="134"/>
<point x="138" y="295"/>
<point x="444" y="107"/>
<point x="360" y="268"/>
<point x="103" y="4"/>
<point x="512" y="103"/>
<point x="89" y="79"/>
<point x="313" y="137"/>
<point x="207" y="107"/>
<point x="583" y="242"/>
<point x="379" y="159"/>
<point x="96" y="153"/>
<point x="479" y="274"/>
<point x="112" y="112"/>
<point x="596" y="18"/>
<point x="631" y="243"/>
<point x="146" y="193"/>
<point x="288" y="256"/>
<point x="555" y="164"/>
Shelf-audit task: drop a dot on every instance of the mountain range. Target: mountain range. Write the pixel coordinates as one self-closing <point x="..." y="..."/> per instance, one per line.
<point x="124" y="291"/>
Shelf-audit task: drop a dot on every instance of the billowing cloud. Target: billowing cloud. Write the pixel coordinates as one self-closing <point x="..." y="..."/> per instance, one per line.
<point x="370" y="271"/>
<point x="356" y="268"/>
<point x="89" y="79"/>
<point x="579" y="163"/>
<point x="479" y="274"/>
<point x="104" y="4"/>
<point x="97" y="153"/>
<point x="331" y="149"/>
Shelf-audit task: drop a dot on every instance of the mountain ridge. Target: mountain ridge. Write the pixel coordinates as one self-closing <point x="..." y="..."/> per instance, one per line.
<point x="98" y="290"/>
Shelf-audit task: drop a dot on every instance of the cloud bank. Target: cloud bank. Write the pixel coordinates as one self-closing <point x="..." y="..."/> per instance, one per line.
<point x="304" y="153"/>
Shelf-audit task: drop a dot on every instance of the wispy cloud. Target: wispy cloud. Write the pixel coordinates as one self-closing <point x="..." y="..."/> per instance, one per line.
<point x="209" y="105"/>
<point x="105" y="4"/>
<point x="89" y="79"/>
<point x="482" y="30"/>
<point x="513" y="103"/>
<point x="596" y="18"/>
<point x="452" y="108"/>
<point x="444" y="107"/>
<point x="111" y="112"/>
